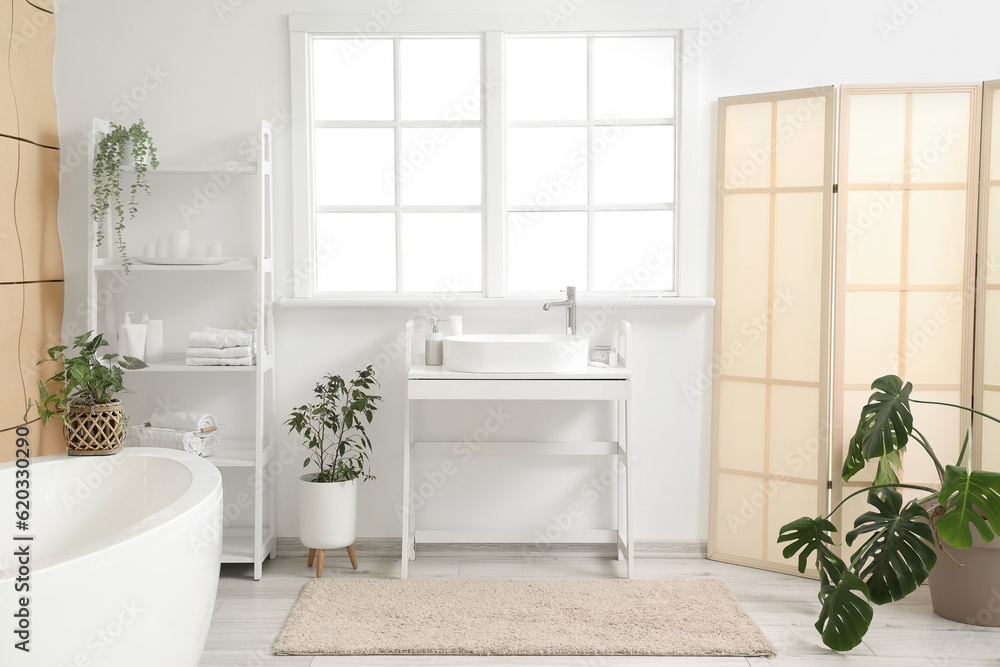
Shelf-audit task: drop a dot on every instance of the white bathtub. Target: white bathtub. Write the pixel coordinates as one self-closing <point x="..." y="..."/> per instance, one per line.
<point x="124" y="564"/>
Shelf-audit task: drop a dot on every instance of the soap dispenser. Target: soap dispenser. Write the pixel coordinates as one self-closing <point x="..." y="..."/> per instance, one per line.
<point x="434" y="345"/>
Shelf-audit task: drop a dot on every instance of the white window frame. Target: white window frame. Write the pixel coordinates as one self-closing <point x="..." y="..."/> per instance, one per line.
<point x="492" y="30"/>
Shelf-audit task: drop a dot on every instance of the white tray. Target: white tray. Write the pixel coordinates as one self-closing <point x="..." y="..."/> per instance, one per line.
<point x="184" y="261"/>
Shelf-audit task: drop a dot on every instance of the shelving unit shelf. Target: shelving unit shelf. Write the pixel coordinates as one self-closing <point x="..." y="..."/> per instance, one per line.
<point x="246" y="457"/>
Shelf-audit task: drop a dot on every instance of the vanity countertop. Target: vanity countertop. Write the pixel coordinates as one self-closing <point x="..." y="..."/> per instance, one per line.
<point x="422" y="372"/>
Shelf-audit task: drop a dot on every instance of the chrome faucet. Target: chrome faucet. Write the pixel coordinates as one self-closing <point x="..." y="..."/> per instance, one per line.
<point x="570" y="303"/>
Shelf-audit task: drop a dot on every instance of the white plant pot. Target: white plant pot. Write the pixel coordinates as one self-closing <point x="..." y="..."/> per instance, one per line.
<point x="328" y="513"/>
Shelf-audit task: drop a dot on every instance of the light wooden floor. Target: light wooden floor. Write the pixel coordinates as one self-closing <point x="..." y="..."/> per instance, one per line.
<point x="249" y="614"/>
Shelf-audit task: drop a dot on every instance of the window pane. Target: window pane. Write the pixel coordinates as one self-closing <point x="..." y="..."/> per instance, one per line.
<point x="442" y="252"/>
<point x="633" y="77"/>
<point x="352" y="82"/>
<point x="633" y="251"/>
<point x="441" y="166"/>
<point x="633" y="165"/>
<point x="546" y="166"/>
<point x="356" y="252"/>
<point x="439" y="79"/>
<point x="354" y="166"/>
<point x="546" y="251"/>
<point x="546" y="78"/>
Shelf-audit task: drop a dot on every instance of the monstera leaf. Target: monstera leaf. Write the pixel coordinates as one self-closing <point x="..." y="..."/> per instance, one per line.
<point x="898" y="555"/>
<point x="808" y="535"/>
<point x="887" y="413"/>
<point x="969" y="498"/>
<point x="855" y="460"/>
<point x="845" y="616"/>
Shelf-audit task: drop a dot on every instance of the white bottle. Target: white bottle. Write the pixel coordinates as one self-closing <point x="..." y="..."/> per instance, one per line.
<point x="455" y="325"/>
<point x="131" y="339"/>
<point x="154" y="338"/>
<point x="434" y="346"/>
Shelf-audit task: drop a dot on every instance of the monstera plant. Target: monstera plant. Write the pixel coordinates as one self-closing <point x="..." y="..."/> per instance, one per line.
<point x="899" y="538"/>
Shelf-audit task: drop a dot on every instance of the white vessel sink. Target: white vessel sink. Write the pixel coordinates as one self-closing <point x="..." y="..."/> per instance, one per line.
<point x="515" y="353"/>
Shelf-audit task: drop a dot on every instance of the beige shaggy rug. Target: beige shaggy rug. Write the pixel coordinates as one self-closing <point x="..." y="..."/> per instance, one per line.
<point x="697" y="617"/>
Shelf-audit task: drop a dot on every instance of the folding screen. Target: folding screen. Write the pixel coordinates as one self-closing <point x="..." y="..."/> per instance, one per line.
<point x="770" y="441"/>
<point x="986" y="384"/>
<point x="906" y="243"/>
<point x="31" y="270"/>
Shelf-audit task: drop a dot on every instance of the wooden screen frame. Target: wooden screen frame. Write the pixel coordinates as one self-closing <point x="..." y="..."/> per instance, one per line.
<point x="982" y="276"/>
<point x="968" y="279"/>
<point x="826" y="306"/>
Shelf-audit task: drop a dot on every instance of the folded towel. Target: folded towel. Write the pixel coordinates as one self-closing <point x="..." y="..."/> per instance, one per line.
<point x="220" y="339"/>
<point x="219" y="352"/>
<point x="184" y="421"/>
<point x="220" y="361"/>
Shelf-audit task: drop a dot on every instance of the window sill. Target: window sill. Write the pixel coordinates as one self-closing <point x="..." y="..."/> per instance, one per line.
<point x="482" y="302"/>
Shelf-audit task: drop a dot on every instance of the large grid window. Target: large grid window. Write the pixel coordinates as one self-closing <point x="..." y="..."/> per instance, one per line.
<point x="581" y="169"/>
<point x="591" y="161"/>
<point x="397" y="164"/>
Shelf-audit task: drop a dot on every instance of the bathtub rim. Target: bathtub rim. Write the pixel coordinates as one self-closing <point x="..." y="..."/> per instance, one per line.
<point x="198" y="501"/>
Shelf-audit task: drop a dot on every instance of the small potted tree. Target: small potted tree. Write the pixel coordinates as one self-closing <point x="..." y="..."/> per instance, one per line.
<point x="334" y="431"/>
<point x="82" y="394"/>
<point x="903" y="542"/>
<point x="109" y="156"/>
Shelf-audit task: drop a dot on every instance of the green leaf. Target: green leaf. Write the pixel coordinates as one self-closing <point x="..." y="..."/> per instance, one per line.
<point x="898" y="555"/>
<point x="845" y="616"/>
<point x="132" y="363"/>
<point x="806" y="535"/>
<point x="855" y="460"/>
<point x="888" y="464"/>
<point x="886" y="414"/>
<point x="967" y="498"/>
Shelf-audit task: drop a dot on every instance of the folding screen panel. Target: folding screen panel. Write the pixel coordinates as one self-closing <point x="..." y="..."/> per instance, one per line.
<point x="986" y="384"/>
<point x="770" y="445"/>
<point x="906" y="237"/>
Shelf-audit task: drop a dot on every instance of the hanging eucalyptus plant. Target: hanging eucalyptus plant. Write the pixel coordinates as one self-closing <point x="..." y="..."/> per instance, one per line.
<point x="107" y="168"/>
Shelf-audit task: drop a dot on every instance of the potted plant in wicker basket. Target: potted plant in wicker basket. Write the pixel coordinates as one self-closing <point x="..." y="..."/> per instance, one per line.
<point x="334" y="432"/>
<point x="82" y="395"/>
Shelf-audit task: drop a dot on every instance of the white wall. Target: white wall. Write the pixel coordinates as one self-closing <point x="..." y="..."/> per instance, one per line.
<point x="201" y="76"/>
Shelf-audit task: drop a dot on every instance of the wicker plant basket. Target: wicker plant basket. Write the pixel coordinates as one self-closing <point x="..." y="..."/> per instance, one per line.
<point x="95" y="430"/>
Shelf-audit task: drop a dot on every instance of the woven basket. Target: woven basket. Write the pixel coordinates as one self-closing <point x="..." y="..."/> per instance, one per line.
<point x="94" y="430"/>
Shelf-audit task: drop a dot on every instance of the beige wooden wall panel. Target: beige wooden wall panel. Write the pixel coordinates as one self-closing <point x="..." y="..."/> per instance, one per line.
<point x="31" y="271"/>
<point x="31" y="47"/>
<point x="8" y="111"/>
<point x="906" y="237"/>
<point x="12" y="396"/>
<point x="773" y="277"/>
<point x="986" y="444"/>
<point x="35" y="211"/>
<point x="11" y="268"/>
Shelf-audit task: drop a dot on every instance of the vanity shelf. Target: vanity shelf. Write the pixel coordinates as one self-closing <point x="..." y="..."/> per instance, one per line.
<point x="430" y="383"/>
<point x="241" y="461"/>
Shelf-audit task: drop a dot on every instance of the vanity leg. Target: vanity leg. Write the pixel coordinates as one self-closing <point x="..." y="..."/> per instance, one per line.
<point x="354" y="559"/>
<point x="319" y="563"/>
<point x="312" y="555"/>
<point x="629" y="541"/>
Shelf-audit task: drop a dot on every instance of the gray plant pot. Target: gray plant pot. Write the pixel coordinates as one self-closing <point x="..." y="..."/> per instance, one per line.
<point x="968" y="593"/>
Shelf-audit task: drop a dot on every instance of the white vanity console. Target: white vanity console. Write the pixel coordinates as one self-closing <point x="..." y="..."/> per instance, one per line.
<point x="426" y="383"/>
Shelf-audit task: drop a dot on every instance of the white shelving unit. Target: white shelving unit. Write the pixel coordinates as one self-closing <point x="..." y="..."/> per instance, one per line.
<point x="240" y="458"/>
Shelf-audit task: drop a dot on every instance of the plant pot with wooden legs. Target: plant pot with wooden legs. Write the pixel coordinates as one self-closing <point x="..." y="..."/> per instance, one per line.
<point x="333" y="428"/>
<point x="82" y="394"/>
<point x="945" y="533"/>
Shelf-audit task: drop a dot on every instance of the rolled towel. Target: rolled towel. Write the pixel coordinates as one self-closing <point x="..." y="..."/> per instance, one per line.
<point x="220" y="361"/>
<point x="220" y="340"/>
<point x="219" y="352"/>
<point x="183" y="421"/>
